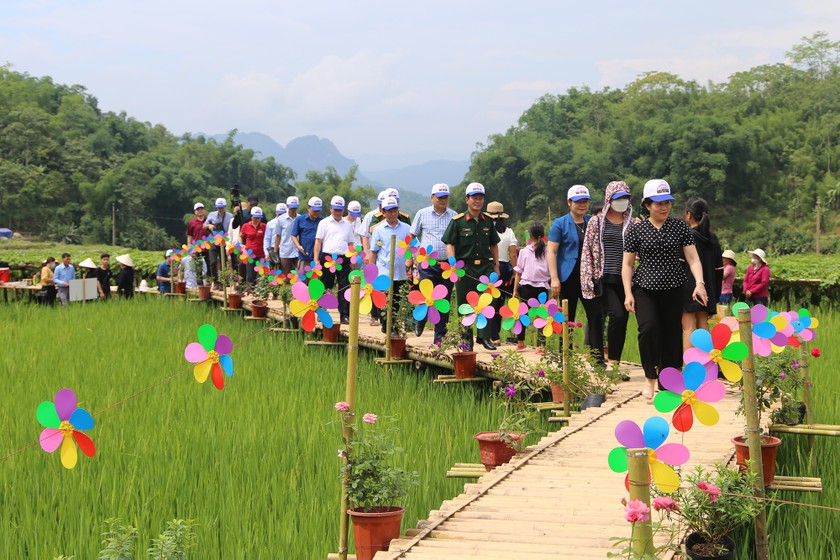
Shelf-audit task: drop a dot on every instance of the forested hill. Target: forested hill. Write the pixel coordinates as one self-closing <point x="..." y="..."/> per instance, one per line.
<point x="63" y="163"/>
<point x="762" y="147"/>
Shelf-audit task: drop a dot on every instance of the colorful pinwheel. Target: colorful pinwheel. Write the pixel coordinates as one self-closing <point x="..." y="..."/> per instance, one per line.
<point x="515" y="315"/>
<point x="425" y="257"/>
<point x="452" y="269"/>
<point x="217" y="239"/>
<point x="373" y="287"/>
<point x="312" y="301"/>
<point x="660" y="454"/>
<point x="407" y="244"/>
<point x="278" y="278"/>
<point x="356" y="255"/>
<point x="546" y="315"/>
<point x="210" y="356"/>
<point x="313" y="270"/>
<point x="478" y="310"/>
<point x="262" y="267"/>
<point x="333" y="263"/>
<point x="490" y="284"/>
<point x="247" y="255"/>
<point x="715" y="350"/>
<point x="803" y="327"/>
<point x="430" y="301"/>
<point x="689" y="393"/>
<point x="62" y="421"/>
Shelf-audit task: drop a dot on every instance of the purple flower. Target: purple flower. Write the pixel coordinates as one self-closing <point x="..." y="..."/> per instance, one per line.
<point x="541" y="373"/>
<point x="464" y="347"/>
<point x="795" y="365"/>
<point x="495" y="356"/>
<point x="782" y="375"/>
<point x="510" y="390"/>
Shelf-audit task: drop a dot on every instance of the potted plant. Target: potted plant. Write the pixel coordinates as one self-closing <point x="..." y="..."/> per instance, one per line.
<point x="516" y="394"/>
<point x="453" y="348"/>
<point x="711" y="503"/>
<point x="375" y="486"/>
<point x="600" y="383"/>
<point x="551" y="365"/>
<point x="401" y="322"/>
<point x="285" y="296"/>
<point x="177" y="272"/>
<point x="231" y="279"/>
<point x="261" y="292"/>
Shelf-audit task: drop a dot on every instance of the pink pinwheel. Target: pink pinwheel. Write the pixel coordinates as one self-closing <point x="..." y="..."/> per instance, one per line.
<point x="62" y="421"/>
<point x="515" y="315"/>
<point x="715" y="350"/>
<point x="546" y="315"/>
<point x="689" y="393"/>
<point x="313" y="270"/>
<point x="430" y="301"/>
<point x="261" y="267"/>
<point x="233" y="248"/>
<point x="356" y="255"/>
<point x="490" y="284"/>
<point x="425" y="256"/>
<point x="478" y="310"/>
<point x="246" y="255"/>
<point x="407" y="244"/>
<point x="452" y="269"/>
<point x="210" y="356"/>
<point x="660" y="454"/>
<point x="333" y="263"/>
<point x="373" y="287"/>
<point x="802" y="325"/>
<point x="312" y="301"/>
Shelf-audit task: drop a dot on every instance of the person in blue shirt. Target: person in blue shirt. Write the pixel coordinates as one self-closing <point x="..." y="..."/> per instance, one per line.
<point x="62" y="275"/>
<point x="303" y="232"/>
<point x="164" y="281"/>
<point x="380" y="251"/>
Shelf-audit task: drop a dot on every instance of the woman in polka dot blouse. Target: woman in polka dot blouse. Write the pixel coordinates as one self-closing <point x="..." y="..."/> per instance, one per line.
<point x="654" y="289"/>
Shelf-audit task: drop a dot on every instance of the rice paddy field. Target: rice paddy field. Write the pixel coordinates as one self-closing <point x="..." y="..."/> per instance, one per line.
<point x="255" y="465"/>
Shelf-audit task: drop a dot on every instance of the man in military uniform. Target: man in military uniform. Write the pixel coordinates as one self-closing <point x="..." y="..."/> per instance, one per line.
<point x="379" y="217"/>
<point x="472" y="238"/>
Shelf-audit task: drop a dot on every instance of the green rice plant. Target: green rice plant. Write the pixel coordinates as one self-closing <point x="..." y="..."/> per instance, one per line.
<point x="117" y="540"/>
<point x="175" y="542"/>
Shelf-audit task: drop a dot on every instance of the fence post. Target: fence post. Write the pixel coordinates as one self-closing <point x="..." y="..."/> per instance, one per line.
<point x="641" y="540"/>
<point x="806" y="395"/>
<point x="567" y="401"/>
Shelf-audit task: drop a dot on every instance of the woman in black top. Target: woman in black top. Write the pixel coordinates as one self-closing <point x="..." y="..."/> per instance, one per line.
<point x="653" y="290"/>
<point x="696" y="316"/>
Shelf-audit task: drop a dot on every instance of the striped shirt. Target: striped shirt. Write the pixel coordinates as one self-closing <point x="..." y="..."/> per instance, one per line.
<point x="428" y="226"/>
<point x="613" y="247"/>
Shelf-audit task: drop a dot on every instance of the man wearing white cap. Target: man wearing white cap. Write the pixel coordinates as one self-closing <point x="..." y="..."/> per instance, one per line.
<point x="283" y="244"/>
<point x="428" y="225"/>
<point x="367" y="220"/>
<point x="303" y="232"/>
<point x="472" y="238"/>
<point x="334" y="237"/>
<point x="252" y="235"/>
<point x="271" y="232"/>
<point x="220" y="220"/>
<point x="195" y="228"/>
<point x="379" y="217"/>
<point x="381" y="247"/>
<point x="354" y="213"/>
<point x="162" y="276"/>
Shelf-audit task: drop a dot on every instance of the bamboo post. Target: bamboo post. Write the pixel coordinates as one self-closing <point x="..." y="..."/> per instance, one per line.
<point x="350" y="398"/>
<point x="223" y="258"/>
<point x="390" y="309"/>
<point x="753" y="431"/>
<point x="806" y="395"/>
<point x="567" y="401"/>
<point x="641" y="540"/>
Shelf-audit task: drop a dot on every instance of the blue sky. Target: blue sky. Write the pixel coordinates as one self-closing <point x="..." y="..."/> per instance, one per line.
<point x="388" y="82"/>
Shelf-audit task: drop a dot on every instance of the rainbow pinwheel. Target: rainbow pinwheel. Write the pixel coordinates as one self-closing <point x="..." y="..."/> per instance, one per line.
<point x="478" y="310"/>
<point x="689" y="393"/>
<point x="716" y="350"/>
<point x="62" y="421"/>
<point x="356" y="255"/>
<point x="515" y="315"/>
<point x="407" y="244"/>
<point x="278" y="278"/>
<point x="803" y="326"/>
<point x="247" y="255"/>
<point x="262" y="267"/>
<point x="218" y="238"/>
<point x="430" y="301"/>
<point x="333" y="263"/>
<point x="210" y="356"/>
<point x="373" y="286"/>
<point x="660" y="454"/>
<point x="425" y="256"/>
<point x="452" y="269"/>
<point x="312" y="301"/>
<point x="546" y="315"/>
<point x="313" y="270"/>
<point x="490" y="284"/>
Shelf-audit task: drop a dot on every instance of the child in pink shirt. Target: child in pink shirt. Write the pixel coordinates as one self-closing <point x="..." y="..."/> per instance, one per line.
<point x="728" y="277"/>
<point x="531" y="277"/>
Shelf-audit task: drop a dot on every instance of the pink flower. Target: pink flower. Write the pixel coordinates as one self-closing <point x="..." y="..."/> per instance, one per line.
<point x="510" y="390"/>
<point x="815" y="352"/>
<point x="370" y="418"/>
<point x="636" y="511"/>
<point x="341" y="454"/>
<point x="666" y="503"/>
<point x="342" y="406"/>
<point x="709" y="489"/>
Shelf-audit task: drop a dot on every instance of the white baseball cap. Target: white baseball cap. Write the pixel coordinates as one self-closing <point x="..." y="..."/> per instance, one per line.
<point x="197" y="205"/>
<point x="393" y="192"/>
<point x="221" y="203"/>
<point x="380" y="197"/>
<point x="389" y="203"/>
<point x="281" y="208"/>
<point x="315" y="203"/>
<point x="577" y="192"/>
<point x="293" y="202"/>
<point x="658" y="190"/>
<point x="440" y="190"/>
<point x="337" y="203"/>
<point x="355" y="208"/>
<point x="475" y="188"/>
<point x="256" y="212"/>
<point x="169" y="253"/>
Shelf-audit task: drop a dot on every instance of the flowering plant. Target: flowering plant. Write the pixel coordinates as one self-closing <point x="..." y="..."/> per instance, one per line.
<point x="230" y="278"/>
<point x="372" y="480"/>
<point x="636" y="511"/>
<point x="516" y="393"/>
<point x="451" y="343"/>
<point x="551" y="365"/>
<point x="777" y="381"/>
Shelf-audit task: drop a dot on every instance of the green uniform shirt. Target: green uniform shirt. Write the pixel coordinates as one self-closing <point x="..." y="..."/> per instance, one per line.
<point x="471" y="237"/>
<point x="379" y="218"/>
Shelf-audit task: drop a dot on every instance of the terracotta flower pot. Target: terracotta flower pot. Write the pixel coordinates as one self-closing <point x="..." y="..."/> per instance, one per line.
<point x="333" y="333"/>
<point x="374" y="530"/>
<point x="558" y="393"/>
<point x="397" y="347"/>
<point x="464" y="363"/>
<point x="204" y="292"/>
<point x="180" y="287"/>
<point x="493" y="450"/>
<point x="769" y="445"/>
<point x="258" y="308"/>
<point x="235" y="300"/>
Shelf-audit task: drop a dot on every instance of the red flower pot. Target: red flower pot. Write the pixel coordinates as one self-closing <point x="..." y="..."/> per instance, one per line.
<point x="332" y="334"/>
<point x="235" y="301"/>
<point x="180" y="287"/>
<point x="204" y="292"/>
<point x="374" y="530"/>
<point x="397" y="348"/>
<point x="493" y="450"/>
<point x="259" y="308"/>
<point x="769" y="445"/>
<point x="464" y="363"/>
<point x="558" y="393"/>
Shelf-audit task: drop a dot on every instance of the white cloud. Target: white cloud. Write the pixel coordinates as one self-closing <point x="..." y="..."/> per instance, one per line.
<point x="541" y="86"/>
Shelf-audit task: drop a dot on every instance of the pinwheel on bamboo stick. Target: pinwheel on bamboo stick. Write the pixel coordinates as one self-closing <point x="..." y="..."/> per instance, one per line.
<point x="662" y="457"/>
<point x="373" y="288"/>
<point x="430" y="301"/>
<point x="688" y="394"/>
<point x="715" y="350"/>
<point x="211" y="356"/>
<point x="312" y="302"/>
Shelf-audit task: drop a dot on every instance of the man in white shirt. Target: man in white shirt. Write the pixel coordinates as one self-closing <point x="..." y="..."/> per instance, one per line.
<point x="270" y="232"/>
<point x="366" y="222"/>
<point x="334" y="236"/>
<point x="283" y="244"/>
<point x="354" y="213"/>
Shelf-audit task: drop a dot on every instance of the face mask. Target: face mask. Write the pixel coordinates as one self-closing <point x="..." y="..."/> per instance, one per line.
<point x="620" y="205"/>
<point x="754" y="261"/>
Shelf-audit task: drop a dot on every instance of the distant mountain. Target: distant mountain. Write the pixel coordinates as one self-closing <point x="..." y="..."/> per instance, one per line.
<point x="420" y="178"/>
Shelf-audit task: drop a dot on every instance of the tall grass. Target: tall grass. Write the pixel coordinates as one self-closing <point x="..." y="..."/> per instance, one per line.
<point x="255" y="465"/>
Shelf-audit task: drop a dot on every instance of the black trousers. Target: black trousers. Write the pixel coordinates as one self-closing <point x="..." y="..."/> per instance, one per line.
<point x="466" y="284"/>
<point x="594" y="334"/>
<point x="434" y="273"/>
<point x="506" y="275"/>
<point x="342" y="277"/>
<point x="525" y="293"/>
<point x="659" y="314"/>
<point x="612" y="308"/>
<point x="383" y="313"/>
